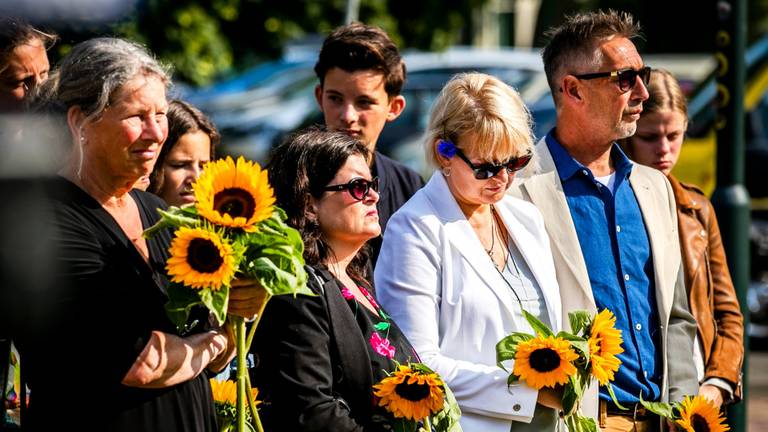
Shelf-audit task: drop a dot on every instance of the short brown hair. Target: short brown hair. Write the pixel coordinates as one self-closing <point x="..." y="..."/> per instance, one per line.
<point x="354" y="47"/>
<point x="573" y="43"/>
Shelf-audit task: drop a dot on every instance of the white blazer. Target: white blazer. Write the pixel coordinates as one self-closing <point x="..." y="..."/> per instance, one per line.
<point x="436" y="280"/>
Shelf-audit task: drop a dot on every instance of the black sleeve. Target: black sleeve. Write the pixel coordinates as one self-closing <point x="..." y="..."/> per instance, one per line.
<point x="294" y="368"/>
<point x="98" y="315"/>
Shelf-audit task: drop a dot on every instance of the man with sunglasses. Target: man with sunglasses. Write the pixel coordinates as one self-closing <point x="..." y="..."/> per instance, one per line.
<point x="361" y="74"/>
<point x="612" y="223"/>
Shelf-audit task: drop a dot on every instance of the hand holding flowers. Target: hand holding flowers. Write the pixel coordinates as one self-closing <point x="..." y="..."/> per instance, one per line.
<point x="566" y="361"/>
<point x="231" y="252"/>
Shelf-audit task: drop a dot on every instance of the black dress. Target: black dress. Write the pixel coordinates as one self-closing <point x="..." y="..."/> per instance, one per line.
<point x="87" y="329"/>
<point x="317" y="359"/>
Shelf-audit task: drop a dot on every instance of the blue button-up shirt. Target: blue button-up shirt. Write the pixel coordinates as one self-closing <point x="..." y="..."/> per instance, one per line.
<point x="617" y="252"/>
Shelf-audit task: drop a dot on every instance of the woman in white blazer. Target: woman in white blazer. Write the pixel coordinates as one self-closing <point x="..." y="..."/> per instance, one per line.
<point x="461" y="258"/>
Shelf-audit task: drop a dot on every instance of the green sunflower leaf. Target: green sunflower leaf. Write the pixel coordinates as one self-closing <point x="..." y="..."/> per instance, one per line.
<point x="539" y="327"/>
<point x="586" y="424"/>
<point x="447" y="419"/>
<point x="506" y="349"/>
<point x="181" y="300"/>
<point x="216" y="301"/>
<point x="578" y="320"/>
<point x="662" y="409"/>
<point x="613" y="396"/>
<point x="570" y="397"/>
<point x="174" y="217"/>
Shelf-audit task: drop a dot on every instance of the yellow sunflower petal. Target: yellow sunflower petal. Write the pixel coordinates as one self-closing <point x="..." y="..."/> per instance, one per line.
<point x="410" y="394"/>
<point x="604" y="345"/>
<point x="201" y="259"/>
<point x="698" y="414"/>
<point x="234" y="194"/>
<point x="224" y="391"/>
<point x="545" y="362"/>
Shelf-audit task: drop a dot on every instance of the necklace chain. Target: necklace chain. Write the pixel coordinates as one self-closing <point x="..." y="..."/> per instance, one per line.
<point x="506" y="260"/>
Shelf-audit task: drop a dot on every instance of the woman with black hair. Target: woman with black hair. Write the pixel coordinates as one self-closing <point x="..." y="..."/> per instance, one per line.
<point x="318" y="357"/>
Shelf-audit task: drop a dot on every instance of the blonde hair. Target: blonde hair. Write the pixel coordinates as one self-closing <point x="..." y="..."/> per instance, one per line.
<point x="664" y="94"/>
<point x="484" y="106"/>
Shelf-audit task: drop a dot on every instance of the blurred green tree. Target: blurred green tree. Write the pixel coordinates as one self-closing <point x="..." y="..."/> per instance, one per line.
<point x="205" y="39"/>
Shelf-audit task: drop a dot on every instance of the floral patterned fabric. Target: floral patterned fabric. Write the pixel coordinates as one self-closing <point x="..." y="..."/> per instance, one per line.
<point x="385" y="340"/>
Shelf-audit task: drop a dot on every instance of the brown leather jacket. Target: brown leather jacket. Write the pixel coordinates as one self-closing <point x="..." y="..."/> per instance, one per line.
<point x="711" y="294"/>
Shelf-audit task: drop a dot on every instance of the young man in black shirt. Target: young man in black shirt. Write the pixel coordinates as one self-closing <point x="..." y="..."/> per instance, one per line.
<point x="361" y="75"/>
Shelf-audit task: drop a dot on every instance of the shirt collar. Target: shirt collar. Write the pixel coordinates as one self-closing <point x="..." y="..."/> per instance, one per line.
<point x="567" y="166"/>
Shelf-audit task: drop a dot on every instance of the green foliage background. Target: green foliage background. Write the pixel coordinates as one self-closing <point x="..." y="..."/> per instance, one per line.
<point x="206" y="40"/>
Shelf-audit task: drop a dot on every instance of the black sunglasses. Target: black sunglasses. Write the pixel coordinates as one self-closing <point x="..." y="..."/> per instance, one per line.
<point x="627" y="78"/>
<point x="357" y="187"/>
<point x="484" y="171"/>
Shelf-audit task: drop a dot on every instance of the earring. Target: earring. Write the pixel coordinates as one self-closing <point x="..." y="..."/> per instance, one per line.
<point x="446" y="171"/>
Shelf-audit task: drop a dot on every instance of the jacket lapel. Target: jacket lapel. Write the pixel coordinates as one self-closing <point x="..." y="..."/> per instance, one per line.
<point x="354" y="361"/>
<point x="464" y="241"/>
<point x="546" y="193"/>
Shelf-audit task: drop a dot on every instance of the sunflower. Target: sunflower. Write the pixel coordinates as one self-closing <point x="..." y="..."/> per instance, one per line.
<point x="410" y="393"/>
<point x="604" y="345"/>
<point x="200" y="259"/>
<point x="236" y="195"/>
<point x="697" y="414"/>
<point x="545" y="362"/>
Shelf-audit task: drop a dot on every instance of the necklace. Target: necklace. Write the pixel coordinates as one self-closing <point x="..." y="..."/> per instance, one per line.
<point x="493" y="235"/>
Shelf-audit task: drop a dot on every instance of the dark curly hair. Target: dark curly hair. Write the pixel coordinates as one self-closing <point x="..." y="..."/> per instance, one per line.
<point x="299" y="168"/>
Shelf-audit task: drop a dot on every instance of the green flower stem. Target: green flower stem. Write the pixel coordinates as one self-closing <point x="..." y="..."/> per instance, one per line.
<point x="239" y="324"/>
<point x="245" y="348"/>
<point x="255" y="324"/>
<point x="252" y="405"/>
<point x="427" y="424"/>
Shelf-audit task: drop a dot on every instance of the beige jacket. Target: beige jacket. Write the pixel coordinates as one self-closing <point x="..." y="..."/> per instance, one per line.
<point x="541" y="185"/>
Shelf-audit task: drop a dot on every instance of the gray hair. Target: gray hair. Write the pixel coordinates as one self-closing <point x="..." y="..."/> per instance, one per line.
<point x="94" y="71"/>
<point x="572" y="45"/>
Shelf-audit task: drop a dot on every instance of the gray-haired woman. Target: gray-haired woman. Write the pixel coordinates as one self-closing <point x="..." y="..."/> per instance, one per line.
<point x="101" y="346"/>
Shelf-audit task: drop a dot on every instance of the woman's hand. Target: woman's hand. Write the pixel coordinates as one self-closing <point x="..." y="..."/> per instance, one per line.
<point x="246" y="298"/>
<point x="712" y="393"/>
<point x="551" y="398"/>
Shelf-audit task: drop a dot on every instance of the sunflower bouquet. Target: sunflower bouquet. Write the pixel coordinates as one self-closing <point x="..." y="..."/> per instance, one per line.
<point x="692" y="414"/>
<point x="225" y="403"/>
<point x="233" y="229"/>
<point x="418" y="399"/>
<point x="565" y="359"/>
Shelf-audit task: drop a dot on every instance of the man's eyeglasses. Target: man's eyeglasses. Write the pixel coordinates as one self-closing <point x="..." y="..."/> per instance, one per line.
<point x="627" y="78"/>
<point x="487" y="170"/>
<point x="357" y="187"/>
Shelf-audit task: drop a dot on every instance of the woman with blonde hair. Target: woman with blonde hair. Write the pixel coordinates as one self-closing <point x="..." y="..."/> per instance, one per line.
<point x="719" y="352"/>
<point x="462" y="259"/>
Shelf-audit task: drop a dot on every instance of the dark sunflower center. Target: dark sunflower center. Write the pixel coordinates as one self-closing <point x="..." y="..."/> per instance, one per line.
<point x="235" y="202"/>
<point x="412" y="392"/>
<point x="699" y="423"/>
<point x="203" y="256"/>
<point x="544" y="360"/>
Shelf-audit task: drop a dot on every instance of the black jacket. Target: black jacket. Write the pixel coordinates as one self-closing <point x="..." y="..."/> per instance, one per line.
<point x="312" y="368"/>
